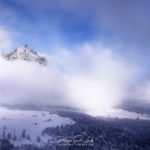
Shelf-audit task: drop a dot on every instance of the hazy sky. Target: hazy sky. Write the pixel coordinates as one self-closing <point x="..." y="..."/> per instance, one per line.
<point x="95" y="46"/>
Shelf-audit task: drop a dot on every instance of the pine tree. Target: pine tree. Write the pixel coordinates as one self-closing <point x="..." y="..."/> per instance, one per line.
<point x="23" y="134"/>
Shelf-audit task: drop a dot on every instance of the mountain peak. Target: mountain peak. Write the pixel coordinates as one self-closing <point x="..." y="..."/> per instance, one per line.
<point x="26" y="50"/>
<point x="25" y="53"/>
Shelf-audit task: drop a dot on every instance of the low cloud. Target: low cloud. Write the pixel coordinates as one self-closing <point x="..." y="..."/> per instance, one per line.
<point x="26" y="83"/>
<point x="96" y="77"/>
<point x="87" y="77"/>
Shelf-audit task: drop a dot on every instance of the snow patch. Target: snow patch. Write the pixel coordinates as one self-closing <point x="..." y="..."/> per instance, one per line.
<point x="28" y="123"/>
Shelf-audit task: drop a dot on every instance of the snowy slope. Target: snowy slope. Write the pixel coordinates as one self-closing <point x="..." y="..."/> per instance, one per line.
<point x="33" y="122"/>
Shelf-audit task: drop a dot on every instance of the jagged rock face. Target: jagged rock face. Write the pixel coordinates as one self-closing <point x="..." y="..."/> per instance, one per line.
<point x="27" y="54"/>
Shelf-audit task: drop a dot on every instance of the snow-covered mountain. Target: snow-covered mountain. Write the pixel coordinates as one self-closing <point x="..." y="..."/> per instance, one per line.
<point x="25" y="53"/>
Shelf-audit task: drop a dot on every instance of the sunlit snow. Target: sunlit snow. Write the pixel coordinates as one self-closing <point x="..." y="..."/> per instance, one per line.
<point x="118" y="113"/>
<point x="33" y="122"/>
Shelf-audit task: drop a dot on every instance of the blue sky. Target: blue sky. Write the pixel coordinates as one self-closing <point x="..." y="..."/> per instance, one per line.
<point x="45" y="27"/>
<point x="45" y="24"/>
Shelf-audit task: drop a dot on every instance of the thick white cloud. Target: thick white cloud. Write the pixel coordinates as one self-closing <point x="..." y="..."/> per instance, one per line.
<point x="25" y="83"/>
<point x="96" y="77"/>
<point x="87" y="77"/>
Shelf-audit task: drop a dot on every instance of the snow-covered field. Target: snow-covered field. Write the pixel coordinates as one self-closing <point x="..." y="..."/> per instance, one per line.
<point x="119" y="113"/>
<point x="32" y="122"/>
